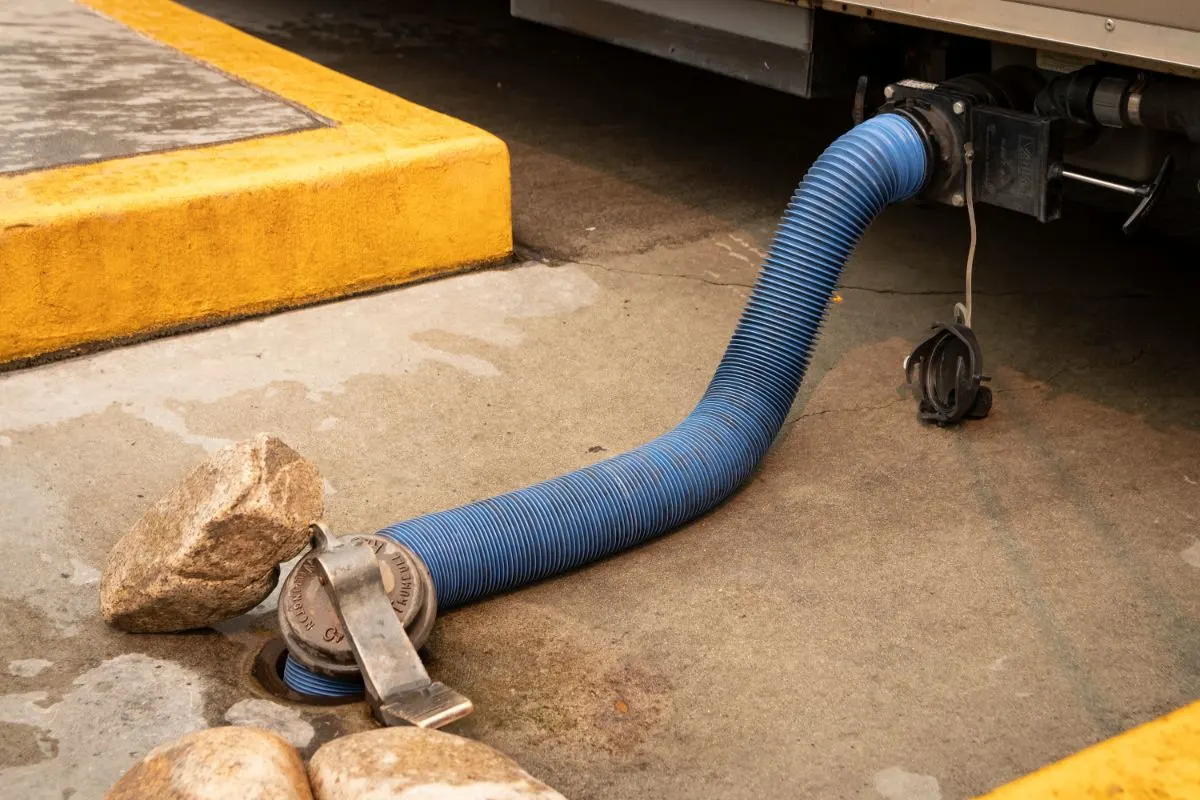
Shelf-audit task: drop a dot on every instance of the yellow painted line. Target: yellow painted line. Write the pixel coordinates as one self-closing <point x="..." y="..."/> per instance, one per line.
<point x="1156" y="761"/>
<point x="393" y="192"/>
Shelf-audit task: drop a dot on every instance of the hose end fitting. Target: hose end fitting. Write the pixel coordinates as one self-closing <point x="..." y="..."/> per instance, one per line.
<point x="353" y="613"/>
<point x="945" y="374"/>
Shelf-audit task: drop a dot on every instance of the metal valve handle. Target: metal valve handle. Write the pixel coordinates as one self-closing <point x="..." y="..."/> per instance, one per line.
<point x="1148" y="192"/>
<point x="398" y="688"/>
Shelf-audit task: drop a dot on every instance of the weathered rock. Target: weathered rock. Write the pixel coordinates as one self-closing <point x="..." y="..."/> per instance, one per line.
<point x="390" y="762"/>
<point x="210" y="549"/>
<point x="242" y="763"/>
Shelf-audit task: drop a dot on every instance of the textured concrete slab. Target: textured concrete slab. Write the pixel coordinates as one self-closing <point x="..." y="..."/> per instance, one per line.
<point x="886" y="612"/>
<point x="78" y="87"/>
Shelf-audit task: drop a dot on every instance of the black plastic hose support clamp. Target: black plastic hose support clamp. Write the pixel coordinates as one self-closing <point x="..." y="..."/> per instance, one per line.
<point x="945" y="373"/>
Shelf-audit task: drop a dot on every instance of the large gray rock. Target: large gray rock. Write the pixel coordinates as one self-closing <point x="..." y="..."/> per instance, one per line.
<point x="391" y="762"/>
<point x="234" y="763"/>
<point x="210" y="549"/>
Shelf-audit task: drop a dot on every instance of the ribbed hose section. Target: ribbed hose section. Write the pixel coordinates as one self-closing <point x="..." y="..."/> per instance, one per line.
<point x="305" y="681"/>
<point x="517" y="538"/>
<point x="514" y="539"/>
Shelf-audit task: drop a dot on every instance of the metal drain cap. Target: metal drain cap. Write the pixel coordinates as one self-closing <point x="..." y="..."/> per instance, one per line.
<point x="309" y="623"/>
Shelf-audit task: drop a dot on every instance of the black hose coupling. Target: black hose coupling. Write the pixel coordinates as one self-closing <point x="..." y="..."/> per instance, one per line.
<point x="945" y="374"/>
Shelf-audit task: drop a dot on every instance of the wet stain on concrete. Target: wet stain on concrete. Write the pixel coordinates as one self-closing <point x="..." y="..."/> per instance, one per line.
<point x="1192" y="555"/>
<point x="149" y="383"/>
<point x="112" y="715"/>
<point x="894" y="783"/>
<point x="543" y="684"/>
<point x="28" y="667"/>
<point x="285" y="720"/>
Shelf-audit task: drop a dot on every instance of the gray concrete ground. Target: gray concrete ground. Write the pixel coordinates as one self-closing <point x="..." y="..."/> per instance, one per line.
<point x="76" y="87"/>
<point x="885" y="611"/>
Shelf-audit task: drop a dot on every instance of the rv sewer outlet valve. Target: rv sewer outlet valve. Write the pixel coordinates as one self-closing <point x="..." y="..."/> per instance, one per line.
<point x="357" y="608"/>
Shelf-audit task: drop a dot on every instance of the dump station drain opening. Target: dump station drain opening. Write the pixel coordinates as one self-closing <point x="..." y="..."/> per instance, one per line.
<point x="267" y="671"/>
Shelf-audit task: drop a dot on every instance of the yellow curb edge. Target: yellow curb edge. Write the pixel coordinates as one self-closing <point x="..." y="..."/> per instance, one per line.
<point x="391" y="192"/>
<point x="1159" y="760"/>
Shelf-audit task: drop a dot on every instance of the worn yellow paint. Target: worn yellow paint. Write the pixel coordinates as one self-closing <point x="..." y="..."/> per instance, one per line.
<point x="392" y="192"/>
<point x="1157" y="761"/>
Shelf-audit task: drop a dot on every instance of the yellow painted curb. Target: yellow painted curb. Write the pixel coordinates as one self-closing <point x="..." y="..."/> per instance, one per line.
<point x="1156" y="761"/>
<point x="110" y="250"/>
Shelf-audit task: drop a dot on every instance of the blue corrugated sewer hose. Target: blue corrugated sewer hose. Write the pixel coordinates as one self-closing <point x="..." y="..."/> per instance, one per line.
<point x="514" y="539"/>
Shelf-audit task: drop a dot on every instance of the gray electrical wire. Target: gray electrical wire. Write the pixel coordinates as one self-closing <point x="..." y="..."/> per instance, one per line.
<point x="962" y="311"/>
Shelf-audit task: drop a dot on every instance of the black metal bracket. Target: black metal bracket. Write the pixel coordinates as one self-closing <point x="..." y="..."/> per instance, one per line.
<point x="1017" y="155"/>
<point x="1018" y="161"/>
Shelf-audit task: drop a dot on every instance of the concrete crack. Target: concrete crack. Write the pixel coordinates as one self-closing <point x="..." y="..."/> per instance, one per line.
<point x="555" y="256"/>
<point x="1041" y="387"/>
<point x="854" y="409"/>
<point x="670" y="275"/>
<point x="978" y="293"/>
<point x="523" y="253"/>
<point x="1058" y="373"/>
<point x="1136" y="357"/>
